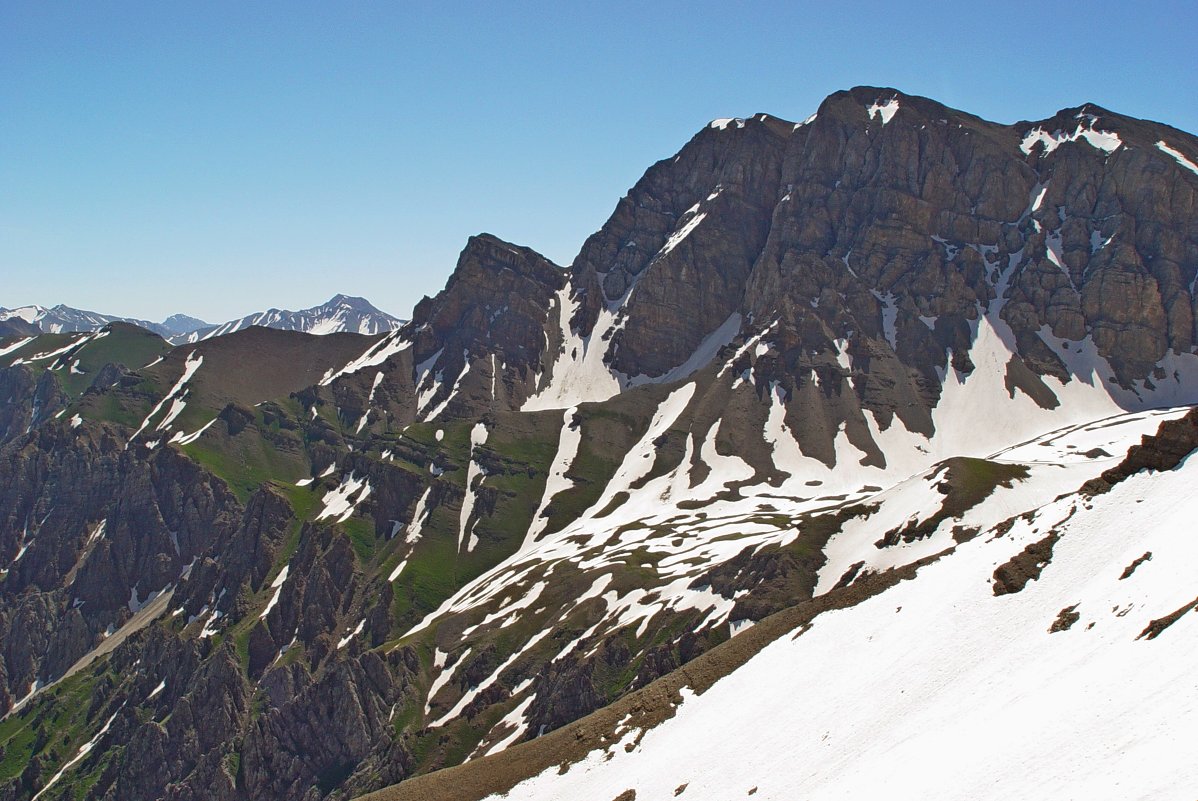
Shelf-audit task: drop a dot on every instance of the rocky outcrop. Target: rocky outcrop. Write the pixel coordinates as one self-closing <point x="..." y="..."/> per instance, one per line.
<point x="490" y="321"/>
<point x="478" y="346"/>
<point x="98" y="530"/>
<point x="676" y="253"/>
<point x="33" y="398"/>
<point x="318" y="731"/>
<point x="1012" y="576"/>
<point x="17" y="387"/>
<point x="881" y="231"/>
<point x="1173" y="442"/>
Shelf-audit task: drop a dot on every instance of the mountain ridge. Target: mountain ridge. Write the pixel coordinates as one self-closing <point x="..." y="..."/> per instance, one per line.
<point x="62" y="319"/>
<point x="803" y="372"/>
<point x="339" y="313"/>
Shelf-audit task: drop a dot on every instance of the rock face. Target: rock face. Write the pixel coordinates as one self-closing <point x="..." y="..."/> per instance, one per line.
<point x="275" y="565"/>
<point x="1164" y="450"/>
<point x="490" y="316"/>
<point x="676" y="254"/>
<point x="869" y="246"/>
<point x="479" y="346"/>
<point x="99" y="530"/>
<point x="32" y="398"/>
<point x="884" y="229"/>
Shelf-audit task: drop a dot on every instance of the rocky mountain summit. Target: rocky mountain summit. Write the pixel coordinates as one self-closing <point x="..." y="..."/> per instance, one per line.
<point x="841" y="444"/>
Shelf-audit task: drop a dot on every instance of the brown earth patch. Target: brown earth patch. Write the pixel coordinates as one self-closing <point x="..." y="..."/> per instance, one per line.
<point x="1065" y="619"/>
<point x="1132" y="567"/>
<point x="1156" y="627"/>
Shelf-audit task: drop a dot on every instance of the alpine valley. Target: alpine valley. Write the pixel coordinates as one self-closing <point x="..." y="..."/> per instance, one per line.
<point x="849" y="459"/>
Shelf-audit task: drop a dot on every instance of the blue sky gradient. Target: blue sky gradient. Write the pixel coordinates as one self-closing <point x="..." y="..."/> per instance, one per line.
<point x="218" y="158"/>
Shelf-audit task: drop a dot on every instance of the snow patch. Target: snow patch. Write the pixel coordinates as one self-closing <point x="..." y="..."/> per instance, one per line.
<point x="344" y="641"/>
<point x="682" y="233"/>
<point x="190" y="366"/>
<point x="1177" y="155"/>
<point x="277" y="586"/>
<point x="567" y="448"/>
<point x="474" y="476"/>
<point x="579" y="373"/>
<point x="1106" y="141"/>
<point x="886" y="110"/>
<point x="375" y="355"/>
<point x="341" y="502"/>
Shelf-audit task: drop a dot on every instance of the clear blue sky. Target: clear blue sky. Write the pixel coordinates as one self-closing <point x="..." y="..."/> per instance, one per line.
<point x="216" y="158"/>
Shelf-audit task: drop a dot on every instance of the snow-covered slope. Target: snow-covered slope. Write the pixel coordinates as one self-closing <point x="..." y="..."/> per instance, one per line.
<point x="686" y="515"/>
<point x="680" y="536"/>
<point x="1073" y="687"/>
<point x="340" y="313"/>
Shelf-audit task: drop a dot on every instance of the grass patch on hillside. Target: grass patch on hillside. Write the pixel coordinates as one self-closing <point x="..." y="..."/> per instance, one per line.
<point x="971" y="481"/>
<point x="431" y="574"/>
<point x="607" y="435"/>
<point x="303" y="500"/>
<point x="590" y="473"/>
<point x="44" y="343"/>
<point x="115" y="408"/>
<point x="130" y="347"/>
<point x="250" y="459"/>
<point x="54" y="725"/>
<point x="966" y="483"/>
<point x="361" y="536"/>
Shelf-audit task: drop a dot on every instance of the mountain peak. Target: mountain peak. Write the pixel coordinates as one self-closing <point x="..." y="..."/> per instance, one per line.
<point x="353" y="302"/>
<point x="183" y="323"/>
<point x="882" y="103"/>
<point x="485" y="241"/>
<point x="1072" y="116"/>
<point x="492" y="254"/>
<point x="339" y="314"/>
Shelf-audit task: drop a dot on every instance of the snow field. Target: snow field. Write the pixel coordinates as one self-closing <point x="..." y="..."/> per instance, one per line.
<point x="936" y="688"/>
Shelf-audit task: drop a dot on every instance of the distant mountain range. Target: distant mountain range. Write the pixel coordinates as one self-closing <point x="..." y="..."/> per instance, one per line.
<point x="62" y="319"/>
<point x="340" y="313"/>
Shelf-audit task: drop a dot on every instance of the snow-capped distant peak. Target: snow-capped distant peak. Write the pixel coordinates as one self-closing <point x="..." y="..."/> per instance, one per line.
<point x="342" y="313"/>
<point x="29" y="314"/>
<point x="62" y="319"/>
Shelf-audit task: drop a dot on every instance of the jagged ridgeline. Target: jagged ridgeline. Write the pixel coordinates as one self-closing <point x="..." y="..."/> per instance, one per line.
<point x="804" y="371"/>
